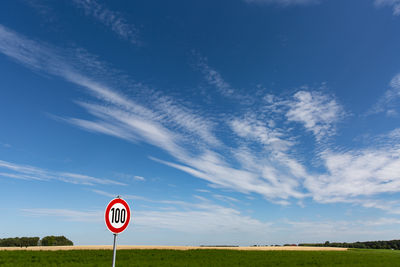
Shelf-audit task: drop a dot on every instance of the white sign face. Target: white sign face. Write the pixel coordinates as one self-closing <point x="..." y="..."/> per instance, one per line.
<point x="117" y="215"/>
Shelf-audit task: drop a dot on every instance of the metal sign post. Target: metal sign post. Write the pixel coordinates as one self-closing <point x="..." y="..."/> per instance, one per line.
<point x="114" y="250"/>
<point x="117" y="217"/>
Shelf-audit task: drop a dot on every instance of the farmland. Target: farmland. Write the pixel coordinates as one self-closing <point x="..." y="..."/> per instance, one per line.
<point x="200" y="257"/>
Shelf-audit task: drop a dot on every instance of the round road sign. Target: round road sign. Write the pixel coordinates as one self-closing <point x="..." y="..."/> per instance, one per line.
<point x="117" y="215"/>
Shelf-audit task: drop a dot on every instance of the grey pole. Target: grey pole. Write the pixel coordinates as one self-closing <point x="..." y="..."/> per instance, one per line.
<point x="115" y="250"/>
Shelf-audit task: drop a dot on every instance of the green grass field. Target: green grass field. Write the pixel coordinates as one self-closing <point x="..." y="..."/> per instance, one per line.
<point x="354" y="257"/>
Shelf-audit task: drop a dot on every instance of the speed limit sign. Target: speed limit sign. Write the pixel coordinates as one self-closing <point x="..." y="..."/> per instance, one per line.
<point x="117" y="215"/>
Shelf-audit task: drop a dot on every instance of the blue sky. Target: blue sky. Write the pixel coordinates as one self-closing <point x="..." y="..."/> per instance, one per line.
<point x="220" y="122"/>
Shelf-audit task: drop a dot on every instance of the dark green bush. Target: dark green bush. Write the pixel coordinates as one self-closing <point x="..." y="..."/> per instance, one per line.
<point x="56" y="241"/>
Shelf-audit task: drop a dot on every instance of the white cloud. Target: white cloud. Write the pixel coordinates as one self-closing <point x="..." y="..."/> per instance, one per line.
<point x="114" y="20"/>
<point x="225" y="198"/>
<point x="26" y="172"/>
<point x="47" y="12"/>
<point x="381" y="221"/>
<point x="256" y="130"/>
<point x="122" y="117"/>
<point x="389" y="206"/>
<point x="215" y="222"/>
<point x="139" y="178"/>
<point x="394" y="134"/>
<point x="342" y="230"/>
<point x="185" y="120"/>
<point x="259" y="160"/>
<point x="273" y="184"/>
<point x="69" y="215"/>
<point x="6" y="145"/>
<point x="389" y="101"/>
<point x="203" y="190"/>
<point x="283" y="2"/>
<point x="357" y="173"/>
<point x="316" y="111"/>
<point x="130" y="126"/>
<point x="214" y="78"/>
<point x="394" y="4"/>
<point x="202" y="217"/>
<point x="144" y="120"/>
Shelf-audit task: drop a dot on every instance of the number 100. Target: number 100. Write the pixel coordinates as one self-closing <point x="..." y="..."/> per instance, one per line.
<point x="118" y="215"/>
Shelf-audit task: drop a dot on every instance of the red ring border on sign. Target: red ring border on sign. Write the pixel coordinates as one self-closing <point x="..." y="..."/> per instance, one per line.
<point x="108" y="224"/>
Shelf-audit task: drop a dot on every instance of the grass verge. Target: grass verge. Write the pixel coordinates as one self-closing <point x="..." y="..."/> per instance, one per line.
<point x="352" y="257"/>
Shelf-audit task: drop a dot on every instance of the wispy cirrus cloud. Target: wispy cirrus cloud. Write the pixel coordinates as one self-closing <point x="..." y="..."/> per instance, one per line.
<point x="122" y="117"/>
<point x="80" y="68"/>
<point x="351" y="174"/>
<point x="256" y="130"/>
<point x="394" y="4"/>
<point x="220" y="221"/>
<point x="114" y="20"/>
<point x="259" y="159"/>
<point x="317" y="112"/>
<point x="213" y="77"/>
<point x="67" y="214"/>
<point x="45" y="10"/>
<point x="184" y="217"/>
<point x="225" y="198"/>
<point x="184" y="119"/>
<point x="202" y="219"/>
<point x="260" y="176"/>
<point x="27" y="172"/>
<point x="390" y="100"/>
<point x="139" y="178"/>
<point x="284" y="2"/>
<point x="216" y="81"/>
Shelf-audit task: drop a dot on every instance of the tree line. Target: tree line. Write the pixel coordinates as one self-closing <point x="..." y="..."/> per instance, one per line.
<point x="35" y="241"/>
<point x="391" y="244"/>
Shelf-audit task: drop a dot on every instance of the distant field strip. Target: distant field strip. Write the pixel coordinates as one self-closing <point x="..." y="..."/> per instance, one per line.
<point x="122" y="247"/>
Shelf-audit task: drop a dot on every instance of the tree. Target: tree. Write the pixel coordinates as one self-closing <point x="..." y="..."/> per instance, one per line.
<point x="56" y="241"/>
